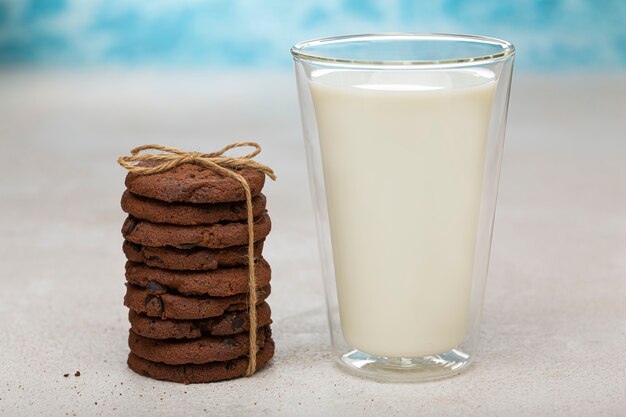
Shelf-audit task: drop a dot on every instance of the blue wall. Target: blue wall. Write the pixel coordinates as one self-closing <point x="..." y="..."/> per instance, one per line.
<point x="548" y="34"/>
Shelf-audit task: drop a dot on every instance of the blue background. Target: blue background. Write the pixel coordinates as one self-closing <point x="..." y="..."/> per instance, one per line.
<point x="550" y="35"/>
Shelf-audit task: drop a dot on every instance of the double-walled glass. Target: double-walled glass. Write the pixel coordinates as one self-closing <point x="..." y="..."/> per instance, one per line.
<point x="404" y="135"/>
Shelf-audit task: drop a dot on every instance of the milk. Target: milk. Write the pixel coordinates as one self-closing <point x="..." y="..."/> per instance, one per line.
<point x="403" y="158"/>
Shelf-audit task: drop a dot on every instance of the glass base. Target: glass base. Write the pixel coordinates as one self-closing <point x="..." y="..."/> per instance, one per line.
<point x="424" y="368"/>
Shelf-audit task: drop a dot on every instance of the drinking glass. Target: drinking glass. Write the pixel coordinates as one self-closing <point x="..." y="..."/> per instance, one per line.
<point x="403" y="136"/>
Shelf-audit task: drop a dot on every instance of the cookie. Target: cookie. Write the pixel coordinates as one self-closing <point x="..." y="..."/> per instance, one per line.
<point x="197" y="259"/>
<point x="188" y="237"/>
<point x="208" y="372"/>
<point x="217" y="283"/>
<point x="228" y="324"/>
<point x="187" y="213"/>
<point x="184" y="351"/>
<point x="192" y="183"/>
<point x="156" y="302"/>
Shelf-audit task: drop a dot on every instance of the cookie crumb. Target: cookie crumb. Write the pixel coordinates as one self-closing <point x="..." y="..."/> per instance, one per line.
<point x="77" y="373"/>
<point x="66" y="375"/>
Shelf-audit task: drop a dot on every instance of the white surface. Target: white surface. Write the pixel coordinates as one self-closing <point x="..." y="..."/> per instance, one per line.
<point x="554" y="329"/>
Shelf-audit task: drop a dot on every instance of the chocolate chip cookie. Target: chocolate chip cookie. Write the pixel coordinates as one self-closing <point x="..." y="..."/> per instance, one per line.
<point x="155" y="301"/>
<point x="189" y="214"/>
<point x="217" y="283"/>
<point x="193" y="183"/>
<point x="196" y="259"/>
<point x="207" y="372"/>
<point x="186" y="351"/>
<point x="227" y="324"/>
<point x="188" y="237"/>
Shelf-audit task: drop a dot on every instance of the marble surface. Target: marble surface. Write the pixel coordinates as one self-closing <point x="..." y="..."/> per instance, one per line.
<point x="554" y="329"/>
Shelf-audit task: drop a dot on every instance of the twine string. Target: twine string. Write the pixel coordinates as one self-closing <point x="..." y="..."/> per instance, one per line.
<point x="169" y="158"/>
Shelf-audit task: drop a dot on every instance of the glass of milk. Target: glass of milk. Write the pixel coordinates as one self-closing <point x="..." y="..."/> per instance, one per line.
<point x="404" y="136"/>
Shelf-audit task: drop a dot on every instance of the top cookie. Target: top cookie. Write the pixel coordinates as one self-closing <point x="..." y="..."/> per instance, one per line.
<point x="192" y="183"/>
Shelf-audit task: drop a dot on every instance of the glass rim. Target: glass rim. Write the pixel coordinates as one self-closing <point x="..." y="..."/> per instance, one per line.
<point x="298" y="51"/>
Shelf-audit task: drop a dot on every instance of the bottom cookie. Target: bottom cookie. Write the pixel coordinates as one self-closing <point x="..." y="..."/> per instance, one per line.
<point x="209" y="372"/>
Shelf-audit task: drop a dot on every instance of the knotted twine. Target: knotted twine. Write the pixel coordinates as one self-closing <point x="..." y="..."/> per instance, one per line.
<point x="154" y="163"/>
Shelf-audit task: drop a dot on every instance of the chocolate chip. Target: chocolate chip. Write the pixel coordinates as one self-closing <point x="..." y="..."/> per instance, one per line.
<point x="229" y="365"/>
<point x="237" y="323"/>
<point x="66" y="375"/>
<point x="154" y="258"/>
<point x="187" y="246"/>
<point x="192" y="175"/>
<point x="236" y="208"/>
<point x="154" y="287"/>
<point x="229" y="341"/>
<point x="154" y="305"/>
<point x="129" y="226"/>
<point x="77" y="373"/>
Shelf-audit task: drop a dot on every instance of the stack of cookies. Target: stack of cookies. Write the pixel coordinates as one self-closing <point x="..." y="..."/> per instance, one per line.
<point x="186" y="241"/>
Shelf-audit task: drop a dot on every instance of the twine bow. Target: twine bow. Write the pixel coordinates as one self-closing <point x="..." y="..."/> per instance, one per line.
<point x="224" y="165"/>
